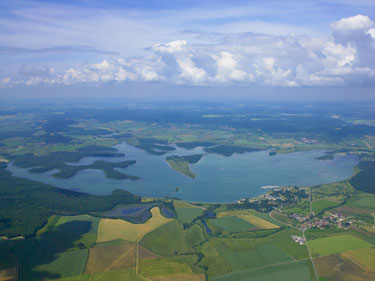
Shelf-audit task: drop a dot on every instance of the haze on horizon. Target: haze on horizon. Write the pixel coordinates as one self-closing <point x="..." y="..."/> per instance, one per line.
<point x="188" y="49"/>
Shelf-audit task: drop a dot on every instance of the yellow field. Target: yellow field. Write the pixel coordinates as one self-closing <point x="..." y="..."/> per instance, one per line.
<point x="188" y="277"/>
<point x="8" y="274"/>
<point x="363" y="257"/>
<point x="369" y="228"/>
<point x="249" y="217"/>
<point x="113" y="229"/>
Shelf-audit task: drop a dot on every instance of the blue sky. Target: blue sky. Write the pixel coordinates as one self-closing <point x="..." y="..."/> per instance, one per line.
<point x="307" y="43"/>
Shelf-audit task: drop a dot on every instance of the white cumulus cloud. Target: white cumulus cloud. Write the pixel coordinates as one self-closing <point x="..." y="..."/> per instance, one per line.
<point x="345" y="57"/>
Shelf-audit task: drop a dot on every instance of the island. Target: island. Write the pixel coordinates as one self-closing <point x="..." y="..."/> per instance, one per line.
<point x="229" y="150"/>
<point x="63" y="162"/>
<point x="181" y="164"/>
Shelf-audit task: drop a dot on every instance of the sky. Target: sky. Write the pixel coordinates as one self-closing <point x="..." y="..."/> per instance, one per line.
<point x="213" y="46"/>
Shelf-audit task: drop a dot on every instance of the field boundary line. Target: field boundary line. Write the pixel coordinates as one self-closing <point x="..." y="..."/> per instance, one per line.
<point x="312" y="261"/>
<point x="118" y="259"/>
<point x="136" y="264"/>
<point x="304" y="236"/>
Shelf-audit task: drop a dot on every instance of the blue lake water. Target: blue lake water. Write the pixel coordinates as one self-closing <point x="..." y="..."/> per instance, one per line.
<point x="219" y="178"/>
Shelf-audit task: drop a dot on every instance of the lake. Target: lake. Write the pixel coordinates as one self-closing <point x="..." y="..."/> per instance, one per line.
<point x="219" y="178"/>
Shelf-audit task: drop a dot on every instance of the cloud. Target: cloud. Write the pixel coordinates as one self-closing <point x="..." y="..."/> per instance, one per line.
<point x="358" y="22"/>
<point x="345" y="57"/>
<point x="36" y="71"/>
<point x="6" y="50"/>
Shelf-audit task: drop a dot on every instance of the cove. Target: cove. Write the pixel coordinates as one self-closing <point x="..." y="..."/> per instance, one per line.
<point x="219" y="178"/>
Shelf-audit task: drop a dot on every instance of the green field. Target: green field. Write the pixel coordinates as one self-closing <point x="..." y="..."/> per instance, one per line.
<point x="52" y="221"/>
<point x="281" y="218"/>
<point x="167" y="266"/>
<point x="84" y="277"/>
<point x="70" y="232"/>
<point x="298" y="271"/>
<point x="261" y="255"/>
<point x="231" y="224"/>
<point x="125" y="274"/>
<point x="187" y="215"/>
<point x="365" y="202"/>
<point x="59" y="252"/>
<point x="172" y="238"/>
<point x="321" y="205"/>
<point x="223" y="255"/>
<point x="336" y="244"/>
<point x="187" y="212"/>
<point x="70" y="263"/>
<point x="213" y="260"/>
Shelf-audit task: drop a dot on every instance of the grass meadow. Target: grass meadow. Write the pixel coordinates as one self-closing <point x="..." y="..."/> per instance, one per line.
<point x="336" y="244"/>
<point x="321" y="205"/>
<point x="364" y="202"/>
<point x="171" y="239"/>
<point x="298" y="270"/>
<point x="231" y="224"/>
<point x="167" y="266"/>
<point x="224" y="255"/>
<point x="187" y="212"/>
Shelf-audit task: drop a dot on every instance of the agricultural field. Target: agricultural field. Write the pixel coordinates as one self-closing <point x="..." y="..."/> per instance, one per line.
<point x="59" y="250"/>
<point x="336" y="244"/>
<point x="364" y="257"/>
<point x="351" y="265"/>
<point x="113" y="229"/>
<point x="69" y="263"/>
<point x="184" y="277"/>
<point x="108" y="256"/>
<point x="178" y="265"/>
<point x="172" y="239"/>
<point x="336" y="189"/>
<point x="321" y="205"/>
<point x="363" y="202"/>
<point x="224" y="255"/>
<point x="252" y="218"/>
<point x="65" y="232"/>
<point x="231" y="224"/>
<point x="281" y="218"/>
<point x="124" y="274"/>
<point x="187" y="212"/>
<point x="298" y="270"/>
